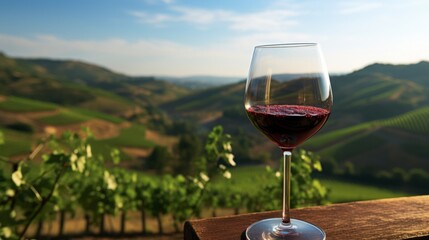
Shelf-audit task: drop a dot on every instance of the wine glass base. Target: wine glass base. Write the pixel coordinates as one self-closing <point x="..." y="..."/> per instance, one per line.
<point x="269" y="229"/>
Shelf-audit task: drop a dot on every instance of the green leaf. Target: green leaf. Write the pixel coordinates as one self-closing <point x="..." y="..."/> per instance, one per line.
<point x="317" y="166"/>
<point x="115" y="155"/>
<point x="77" y="163"/>
<point x="1" y="138"/>
<point x="17" y="177"/>
<point x="6" y="232"/>
<point x="54" y="158"/>
<point x="110" y="181"/>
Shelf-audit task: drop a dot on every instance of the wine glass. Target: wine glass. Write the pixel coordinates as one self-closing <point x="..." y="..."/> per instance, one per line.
<point x="288" y="98"/>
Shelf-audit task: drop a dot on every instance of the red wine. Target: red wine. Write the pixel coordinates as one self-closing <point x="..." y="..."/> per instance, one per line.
<point x="288" y="125"/>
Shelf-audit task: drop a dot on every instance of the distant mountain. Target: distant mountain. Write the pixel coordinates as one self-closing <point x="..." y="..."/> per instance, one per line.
<point x="200" y="82"/>
<point x="417" y="72"/>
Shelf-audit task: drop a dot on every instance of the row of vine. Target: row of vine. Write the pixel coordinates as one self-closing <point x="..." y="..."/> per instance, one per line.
<point x="62" y="176"/>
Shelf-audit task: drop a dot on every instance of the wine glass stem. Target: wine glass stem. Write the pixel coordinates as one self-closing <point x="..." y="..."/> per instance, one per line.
<point x="287" y="156"/>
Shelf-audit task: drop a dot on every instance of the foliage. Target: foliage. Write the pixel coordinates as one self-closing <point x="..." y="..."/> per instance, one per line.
<point x="159" y="159"/>
<point x="188" y="150"/>
<point x="72" y="177"/>
<point x="304" y="189"/>
<point x="33" y="191"/>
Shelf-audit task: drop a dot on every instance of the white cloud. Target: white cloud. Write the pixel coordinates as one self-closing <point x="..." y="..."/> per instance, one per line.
<point x="145" y="17"/>
<point x="358" y="7"/>
<point x="267" y="20"/>
<point x="162" y="1"/>
<point x="166" y="57"/>
<point x="145" y="57"/>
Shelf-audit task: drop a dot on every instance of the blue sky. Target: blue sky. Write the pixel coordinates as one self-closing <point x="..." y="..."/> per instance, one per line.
<point x="216" y="37"/>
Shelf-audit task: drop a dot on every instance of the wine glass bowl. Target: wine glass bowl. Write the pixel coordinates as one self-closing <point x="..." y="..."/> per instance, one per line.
<point x="288" y="98"/>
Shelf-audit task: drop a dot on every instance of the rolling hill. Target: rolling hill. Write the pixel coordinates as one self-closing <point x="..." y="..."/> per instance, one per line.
<point x="24" y="122"/>
<point x="378" y="120"/>
<point x="141" y="90"/>
<point x="377" y="91"/>
<point x="44" y="96"/>
<point x="67" y="82"/>
<point x="399" y="141"/>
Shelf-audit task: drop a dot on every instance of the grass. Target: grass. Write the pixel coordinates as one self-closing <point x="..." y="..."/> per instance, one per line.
<point x="65" y="117"/>
<point x="343" y="191"/>
<point x="99" y="115"/>
<point x="17" y="104"/>
<point x="134" y="136"/>
<point x="15" y="143"/>
<point x="244" y="179"/>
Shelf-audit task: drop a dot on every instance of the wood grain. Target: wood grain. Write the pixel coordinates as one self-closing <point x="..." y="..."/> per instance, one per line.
<point x="396" y="218"/>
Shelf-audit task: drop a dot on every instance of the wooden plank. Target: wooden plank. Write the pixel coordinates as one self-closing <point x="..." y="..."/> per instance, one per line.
<point x="396" y="218"/>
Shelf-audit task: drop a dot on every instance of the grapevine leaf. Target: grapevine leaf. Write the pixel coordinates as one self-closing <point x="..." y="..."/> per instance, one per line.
<point x="317" y="166"/>
<point x="227" y="174"/>
<point x="17" y="177"/>
<point x="119" y="202"/>
<point x="6" y="232"/>
<point x="115" y="154"/>
<point x="88" y="151"/>
<point x="110" y="180"/>
<point x="55" y="158"/>
<point x="80" y="164"/>
<point x="204" y="177"/>
<point x="10" y="192"/>
<point x="227" y="146"/>
<point x="230" y="159"/>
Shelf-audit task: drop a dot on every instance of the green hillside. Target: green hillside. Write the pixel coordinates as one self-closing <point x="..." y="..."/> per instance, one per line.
<point x="365" y="97"/>
<point x="16" y="142"/>
<point x="212" y="99"/>
<point x="417" y="72"/>
<point x="16" y="104"/>
<point x="398" y="141"/>
<point x="25" y="79"/>
<point x="378" y="118"/>
<point x="23" y="121"/>
<point x="221" y="105"/>
<point x="75" y="83"/>
<point x="143" y="90"/>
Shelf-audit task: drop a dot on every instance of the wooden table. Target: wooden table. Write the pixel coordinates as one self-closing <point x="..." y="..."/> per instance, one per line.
<point x="396" y="218"/>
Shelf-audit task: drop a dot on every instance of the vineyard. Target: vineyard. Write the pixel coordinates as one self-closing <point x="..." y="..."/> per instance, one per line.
<point x="415" y="121"/>
<point x="70" y="180"/>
